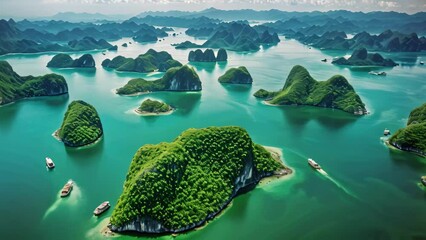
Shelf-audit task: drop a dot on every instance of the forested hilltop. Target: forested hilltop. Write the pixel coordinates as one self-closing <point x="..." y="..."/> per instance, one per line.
<point x="173" y="187"/>
<point x="81" y="125"/>
<point x="14" y="87"/>
<point x="412" y="138"/>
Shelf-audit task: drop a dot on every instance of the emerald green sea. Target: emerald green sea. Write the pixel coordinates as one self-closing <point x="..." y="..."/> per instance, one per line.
<point x="369" y="191"/>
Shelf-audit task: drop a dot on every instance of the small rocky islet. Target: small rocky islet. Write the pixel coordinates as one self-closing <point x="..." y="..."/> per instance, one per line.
<point x="81" y="125"/>
<point x="238" y="75"/>
<point x="208" y="55"/>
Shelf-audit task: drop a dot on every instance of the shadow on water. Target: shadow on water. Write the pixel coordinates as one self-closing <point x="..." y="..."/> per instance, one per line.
<point x="57" y="101"/>
<point x="204" y="66"/>
<point x="222" y="65"/>
<point x="87" y="72"/>
<point x="332" y="119"/>
<point x="237" y="87"/>
<point x="86" y="153"/>
<point x="183" y="102"/>
<point x="7" y="116"/>
<point x="409" y="159"/>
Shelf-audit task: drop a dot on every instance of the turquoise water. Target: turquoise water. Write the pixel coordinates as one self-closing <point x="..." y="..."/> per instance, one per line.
<point x="367" y="192"/>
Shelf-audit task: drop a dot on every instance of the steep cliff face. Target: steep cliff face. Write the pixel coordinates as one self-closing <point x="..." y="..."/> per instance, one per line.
<point x="174" y="187"/>
<point x="412" y="138"/>
<point x="14" y="87"/>
<point x="175" y="79"/>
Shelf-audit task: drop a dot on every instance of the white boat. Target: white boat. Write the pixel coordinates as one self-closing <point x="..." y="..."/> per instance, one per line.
<point x="377" y="73"/>
<point x="386" y="132"/>
<point x="422" y="63"/>
<point x="49" y="163"/>
<point x="101" y="208"/>
<point x="313" y="163"/>
<point x="66" y="190"/>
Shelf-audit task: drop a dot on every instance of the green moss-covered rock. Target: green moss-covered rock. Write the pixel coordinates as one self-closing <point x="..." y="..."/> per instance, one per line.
<point x="238" y="75"/>
<point x="222" y="55"/>
<point x="301" y="89"/>
<point x="154" y="106"/>
<point x="361" y="57"/>
<point x="413" y="137"/>
<point x="65" y="61"/>
<point x="173" y="187"/>
<point x="81" y="125"/>
<point x="175" y="79"/>
<point x="262" y="93"/>
<point x="147" y="62"/>
<point x="14" y="87"/>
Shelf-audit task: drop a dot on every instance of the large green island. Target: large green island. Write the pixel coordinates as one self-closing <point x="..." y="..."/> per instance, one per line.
<point x="412" y="138"/>
<point x="301" y="89"/>
<point x="175" y="79"/>
<point x="14" y="87"/>
<point x="81" y="125"/>
<point x="177" y="186"/>
<point x="148" y="62"/>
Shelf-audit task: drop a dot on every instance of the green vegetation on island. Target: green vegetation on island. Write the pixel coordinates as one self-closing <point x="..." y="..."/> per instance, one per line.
<point x="361" y="57"/>
<point x="147" y="62"/>
<point x="238" y="75"/>
<point x="412" y="138"/>
<point x="175" y="79"/>
<point x="301" y="89"/>
<point x="177" y="186"/>
<point x="14" y="87"/>
<point x="153" y="106"/>
<point x="62" y="60"/>
<point x="207" y="56"/>
<point x="81" y="125"/>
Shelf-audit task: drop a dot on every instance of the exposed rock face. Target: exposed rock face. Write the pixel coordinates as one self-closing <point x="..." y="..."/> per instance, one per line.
<point x="361" y="57"/>
<point x="175" y="79"/>
<point x="192" y="171"/>
<point x="222" y="56"/>
<point x="236" y="76"/>
<point x="65" y="61"/>
<point x="184" y="79"/>
<point x="14" y="87"/>
<point x="412" y="138"/>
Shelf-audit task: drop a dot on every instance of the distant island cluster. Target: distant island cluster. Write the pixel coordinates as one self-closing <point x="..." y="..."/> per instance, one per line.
<point x="177" y="186"/>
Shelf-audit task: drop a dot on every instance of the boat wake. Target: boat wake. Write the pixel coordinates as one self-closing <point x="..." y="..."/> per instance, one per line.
<point x="72" y="199"/>
<point x="339" y="185"/>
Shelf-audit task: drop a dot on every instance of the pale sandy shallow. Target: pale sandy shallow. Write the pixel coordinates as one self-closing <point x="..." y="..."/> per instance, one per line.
<point x="129" y="95"/>
<point x="145" y="114"/>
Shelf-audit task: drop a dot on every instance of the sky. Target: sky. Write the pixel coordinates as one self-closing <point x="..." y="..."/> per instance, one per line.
<point x="41" y="8"/>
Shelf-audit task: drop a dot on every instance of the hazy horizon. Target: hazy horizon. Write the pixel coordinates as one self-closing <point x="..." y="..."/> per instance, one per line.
<point x="46" y="8"/>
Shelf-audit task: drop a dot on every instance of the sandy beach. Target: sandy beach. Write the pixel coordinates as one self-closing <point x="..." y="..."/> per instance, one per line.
<point x="141" y="113"/>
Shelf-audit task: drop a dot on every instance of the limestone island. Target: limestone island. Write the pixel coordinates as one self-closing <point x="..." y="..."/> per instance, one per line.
<point x="14" y="87"/>
<point x="62" y="60"/>
<point x="153" y="108"/>
<point x="361" y="57"/>
<point x="178" y="186"/>
<point x="301" y="89"/>
<point x="148" y="62"/>
<point x="175" y="79"/>
<point x="238" y="75"/>
<point x="81" y="125"/>
<point x="412" y="138"/>
<point x="208" y="56"/>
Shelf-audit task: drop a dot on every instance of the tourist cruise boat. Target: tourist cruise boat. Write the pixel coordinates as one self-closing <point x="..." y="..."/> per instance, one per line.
<point x="313" y="164"/>
<point x="49" y="163"/>
<point x="66" y="190"/>
<point x="101" y="208"/>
